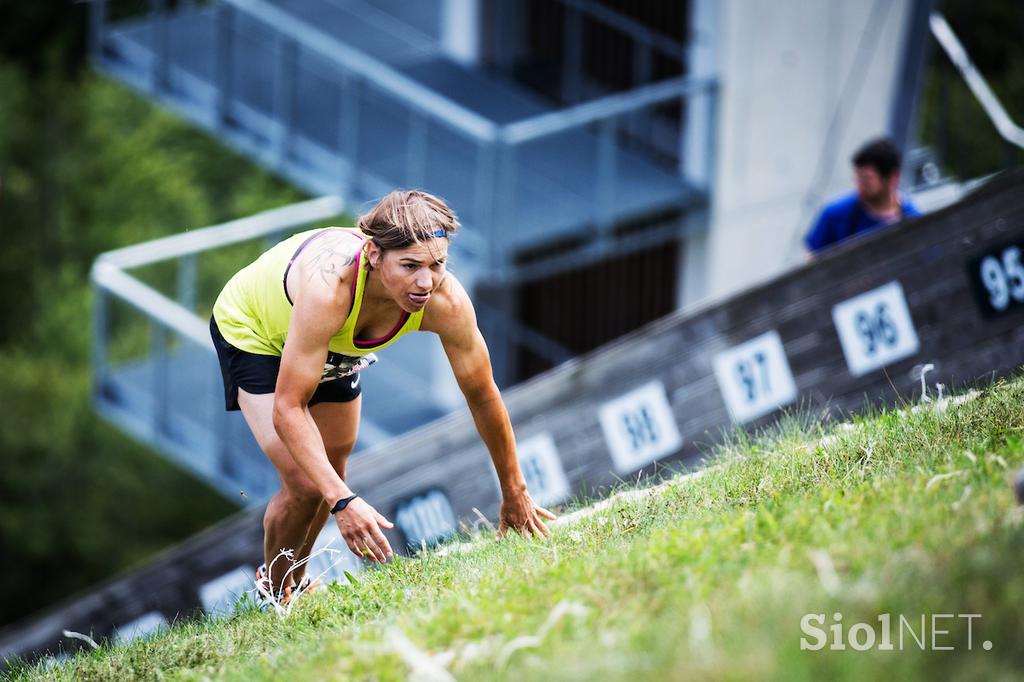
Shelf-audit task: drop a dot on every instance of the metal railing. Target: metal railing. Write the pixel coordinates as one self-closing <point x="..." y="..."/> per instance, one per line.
<point x="611" y="129"/>
<point x="642" y="36"/>
<point x="396" y="84"/>
<point x="573" y="50"/>
<point x="961" y="113"/>
<point x="154" y="367"/>
<point x="1004" y="125"/>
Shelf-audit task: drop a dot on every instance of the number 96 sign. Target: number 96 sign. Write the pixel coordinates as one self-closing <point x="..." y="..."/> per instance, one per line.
<point x="875" y="329"/>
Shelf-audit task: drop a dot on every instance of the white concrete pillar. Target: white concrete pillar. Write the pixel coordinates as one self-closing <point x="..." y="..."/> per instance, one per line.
<point x="460" y="30"/>
<point x="804" y="83"/>
<point x="702" y="60"/>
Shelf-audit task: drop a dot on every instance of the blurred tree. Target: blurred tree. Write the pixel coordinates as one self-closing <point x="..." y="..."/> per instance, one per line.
<point x="37" y="35"/>
<point x="85" y="167"/>
<point x="952" y="121"/>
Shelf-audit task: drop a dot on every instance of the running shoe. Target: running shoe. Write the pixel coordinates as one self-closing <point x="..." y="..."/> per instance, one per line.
<point x="266" y="597"/>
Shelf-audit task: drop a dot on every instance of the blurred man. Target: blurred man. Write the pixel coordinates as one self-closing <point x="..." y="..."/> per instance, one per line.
<point x="875" y="203"/>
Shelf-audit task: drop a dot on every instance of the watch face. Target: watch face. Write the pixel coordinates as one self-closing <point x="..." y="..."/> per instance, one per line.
<point x="342" y="503"/>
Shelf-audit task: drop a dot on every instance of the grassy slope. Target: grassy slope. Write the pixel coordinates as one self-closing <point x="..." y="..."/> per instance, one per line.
<point x="705" y="578"/>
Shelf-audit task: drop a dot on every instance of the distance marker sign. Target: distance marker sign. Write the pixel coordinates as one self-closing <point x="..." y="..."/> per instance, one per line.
<point x="875" y="329"/>
<point x="426" y="519"/>
<point x="639" y="427"/>
<point x="331" y="558"/>
<point x="754" y="377"/>
<point x="220" y="595"/>
<point x="997" y="279"/>
<point x="542" y="469"/>
<point x="143" y="626"/>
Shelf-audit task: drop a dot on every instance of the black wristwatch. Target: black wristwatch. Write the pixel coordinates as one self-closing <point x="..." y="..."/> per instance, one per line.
<point x="342" y="503"/>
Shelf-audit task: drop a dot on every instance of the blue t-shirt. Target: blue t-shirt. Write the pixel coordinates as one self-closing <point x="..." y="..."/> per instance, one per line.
<point x="846" y="217"/>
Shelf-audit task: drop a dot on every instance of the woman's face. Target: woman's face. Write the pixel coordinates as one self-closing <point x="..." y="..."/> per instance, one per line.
<point x="411" y="275"/>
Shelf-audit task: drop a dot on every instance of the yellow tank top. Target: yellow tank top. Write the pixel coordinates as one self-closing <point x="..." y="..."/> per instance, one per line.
<point x="254" y="309"/>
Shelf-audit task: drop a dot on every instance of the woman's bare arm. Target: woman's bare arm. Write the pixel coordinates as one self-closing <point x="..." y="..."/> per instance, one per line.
<point x="454" y="320"/>
<point x="321" y="306"/>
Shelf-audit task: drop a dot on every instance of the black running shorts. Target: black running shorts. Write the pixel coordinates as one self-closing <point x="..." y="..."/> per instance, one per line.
<point x="257" y="374"/>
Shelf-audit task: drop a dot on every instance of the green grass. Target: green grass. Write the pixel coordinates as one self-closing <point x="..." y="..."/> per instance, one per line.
<point x="908" y="513"/>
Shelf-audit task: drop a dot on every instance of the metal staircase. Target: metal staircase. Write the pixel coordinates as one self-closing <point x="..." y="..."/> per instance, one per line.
<point x="345" y="98"/>
<point x="350" y="99"/>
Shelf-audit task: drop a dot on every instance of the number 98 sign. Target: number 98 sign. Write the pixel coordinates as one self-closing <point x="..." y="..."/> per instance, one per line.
<point x="639" y="427"/>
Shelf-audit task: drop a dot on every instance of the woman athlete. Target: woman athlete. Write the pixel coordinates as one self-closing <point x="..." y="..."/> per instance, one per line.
<point x="292" y="328"/>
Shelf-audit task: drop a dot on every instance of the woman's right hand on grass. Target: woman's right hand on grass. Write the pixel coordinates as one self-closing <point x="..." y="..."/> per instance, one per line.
<point x="360" y="526"/>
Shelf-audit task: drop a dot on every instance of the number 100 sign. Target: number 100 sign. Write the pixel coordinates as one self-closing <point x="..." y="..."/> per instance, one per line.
<point x="875" y="329"/>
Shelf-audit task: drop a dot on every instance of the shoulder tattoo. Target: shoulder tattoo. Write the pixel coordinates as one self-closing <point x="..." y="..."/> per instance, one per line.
<point x="329" y="257"/>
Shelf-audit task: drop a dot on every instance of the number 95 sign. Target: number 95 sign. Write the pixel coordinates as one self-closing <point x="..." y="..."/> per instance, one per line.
<point x="875" y="329"/>
<point x="998" y="280"/>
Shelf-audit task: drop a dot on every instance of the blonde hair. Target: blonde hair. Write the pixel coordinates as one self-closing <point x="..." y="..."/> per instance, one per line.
<point x="407" y="217"/>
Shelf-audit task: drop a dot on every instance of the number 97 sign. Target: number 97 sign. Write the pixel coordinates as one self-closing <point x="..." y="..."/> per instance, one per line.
<point x="875" y="329"/>
<point x="754" y="377"/>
